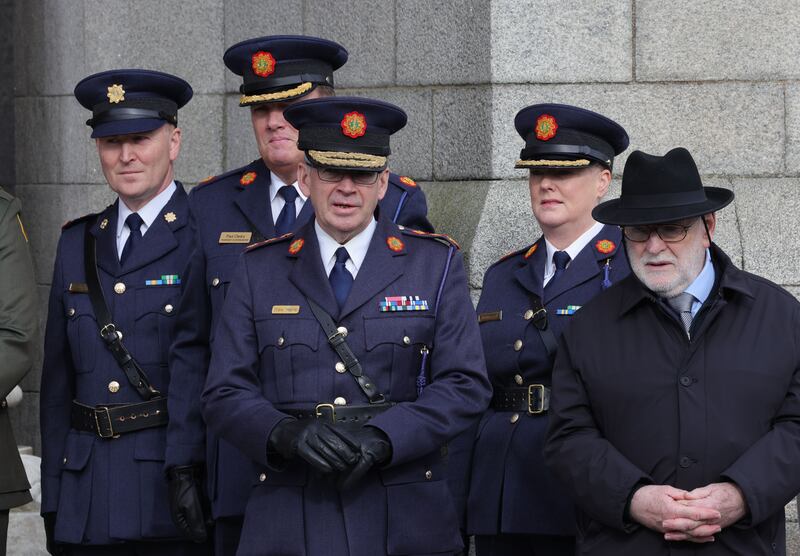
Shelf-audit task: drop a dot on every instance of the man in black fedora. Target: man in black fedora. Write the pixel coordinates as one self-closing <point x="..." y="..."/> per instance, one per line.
<point x="675" y="408"/>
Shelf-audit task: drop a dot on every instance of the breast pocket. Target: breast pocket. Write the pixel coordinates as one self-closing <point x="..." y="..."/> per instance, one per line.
<point x="155" y="310"/>
<point x="219" y="274"/>
<point x="288" y="352"/>
<point x="396" y="345"/>
<point x="82" y="331"/>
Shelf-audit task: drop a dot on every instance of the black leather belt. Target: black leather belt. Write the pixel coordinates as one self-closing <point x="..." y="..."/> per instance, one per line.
<point x="340" y="414"/>
<point x="109" y="421"/>
<point x="533" y="399"/>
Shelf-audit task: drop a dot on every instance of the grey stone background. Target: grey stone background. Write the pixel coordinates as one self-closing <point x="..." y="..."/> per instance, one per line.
<point x="720" y="78"/>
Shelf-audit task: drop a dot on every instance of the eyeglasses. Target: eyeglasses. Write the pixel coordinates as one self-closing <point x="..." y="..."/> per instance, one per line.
<point x="669" y="233"/>
<point x="359" y="178"/>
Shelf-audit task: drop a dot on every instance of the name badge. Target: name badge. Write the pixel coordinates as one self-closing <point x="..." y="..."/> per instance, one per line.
<point x="235" y="237"/>
<point x="285" y="309"/>
<point x="487" y="317"/>
<point x="78" y="287"/>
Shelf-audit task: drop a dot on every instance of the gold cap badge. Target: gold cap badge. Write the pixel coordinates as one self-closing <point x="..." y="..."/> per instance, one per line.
<point x="115" y="94"/>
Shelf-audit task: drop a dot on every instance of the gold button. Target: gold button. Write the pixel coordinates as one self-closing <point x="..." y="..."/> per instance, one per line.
<point x="429" y="474"/>
<point x="528" y="314"/>
<point x="168" y="308"/>
<point x="340" y="368"/>
<point x="342" y="330"/>
<point x="514" y="418"/>
<point x="340" y="401"/>
<point x="518" y="345"/>
<point x="281" y="341"/>
<point x="113" y="386"/>
<point x="119" y="288"/>
<point x="119" y="334"/>
<point x="71" y="311"/>
<point x="215" y="282"/>
<point x="406" y="340"/>
<point x="262" y="477"/>
<point x="518" y="379"/>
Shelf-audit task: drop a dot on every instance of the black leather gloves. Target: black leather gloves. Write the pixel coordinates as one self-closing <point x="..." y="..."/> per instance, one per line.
<point x="373" y="448"/>
<point x="187" y="502"/>
<point x="314" y="441"/>
<point x="53" y="547"/>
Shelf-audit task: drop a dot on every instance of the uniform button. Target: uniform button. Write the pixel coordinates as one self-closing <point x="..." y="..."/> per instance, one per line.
<point x="518" y="379"/>
<point x="262" y="477"/>
<point x="518" y="345"/>
<point x="406" y="340"/>
<point x="429" y="474"/>
<point x="340" y="368"/>
<point x="64" y="461"/>
<point x="168" y="308"/>
<point x="113" y="386"/>
<point x="528" y="314"/>
<point x="281" y="341"/>
<point x="340" y="401"/>
<point x="686" y="381"/>
<point x="119" y="288"/>
<point x="215" y="282"/>
<point x="686" y="462"/>
<point x="342" y="330"/>
<point x="514" y="418"/>
<point x="71" y="311"/>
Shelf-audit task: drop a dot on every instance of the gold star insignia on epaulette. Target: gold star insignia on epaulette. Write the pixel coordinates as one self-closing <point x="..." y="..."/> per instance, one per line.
<point x="115" y="94"/>
<point x="170" y="217"/>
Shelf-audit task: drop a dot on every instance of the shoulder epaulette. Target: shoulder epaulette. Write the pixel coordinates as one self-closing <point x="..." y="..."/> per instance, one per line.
<point x="403" y="182"/>
<point x="213" y="179"/>
<point x="441" y="238"/>
<point x="526" y="252"/>
<point x="84" y="218"/>
<point x="269" y="241"/>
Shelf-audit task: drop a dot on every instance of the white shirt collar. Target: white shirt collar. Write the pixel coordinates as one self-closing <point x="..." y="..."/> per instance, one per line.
<point x="572" y="250"/>
<point x="149" y="212"/>
<point x="275" y="183"/>
<point x="357" y="247"/>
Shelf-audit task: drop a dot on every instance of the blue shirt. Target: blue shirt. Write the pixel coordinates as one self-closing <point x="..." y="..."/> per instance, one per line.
<point x="702" y="285"/>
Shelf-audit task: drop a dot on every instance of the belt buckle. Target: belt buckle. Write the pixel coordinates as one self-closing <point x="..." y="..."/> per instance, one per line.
<point x="321" y="408"/>
<point x="104" y="411"/>
<point x="539" y="318"/>
<point x="533" y="410"/>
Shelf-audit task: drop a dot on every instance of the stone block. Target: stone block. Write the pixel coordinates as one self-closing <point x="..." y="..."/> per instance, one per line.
<point x="412" y="146"/>
<point x="793" y="128"/>
<point x="201" y="122"/>
<point x="181" y="38"/>
<point x="792" y="531"/>
<point x="25" y="422"/>
<point x="49" y="58"/>
<point x="366" y="29"/>
<point x="26" y="534"/>
<point x="767" y="211"/>
<point x="463" y="121"/>
<point x="240" y="142"/>
<point x="556" y="42"/>
<point x="246" y="19"/>
<point x="794" y="290"/>
<point x="696" y="41"/>
<point x="727" y="235"/>
<point x="713" y="121"/>
<point x="442" y="43"/>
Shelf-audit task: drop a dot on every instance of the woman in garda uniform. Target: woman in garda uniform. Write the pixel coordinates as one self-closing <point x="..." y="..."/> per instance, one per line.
<point x="514" y="505"/>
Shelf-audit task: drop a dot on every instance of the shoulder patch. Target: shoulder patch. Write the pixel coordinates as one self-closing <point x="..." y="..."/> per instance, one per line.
<point x="239" y="172"/>
<point x="441" y="238"/>
<point x="605" y="246"/>
<point x="70" y="223"/>
<point x="403" y="182"/>
<point x="269" y="241"/>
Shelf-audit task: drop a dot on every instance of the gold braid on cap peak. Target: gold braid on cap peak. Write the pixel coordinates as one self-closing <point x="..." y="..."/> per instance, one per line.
<point x="245" y="100"/>
<point x="351" y="160"/>
<point x="565" y="163"/>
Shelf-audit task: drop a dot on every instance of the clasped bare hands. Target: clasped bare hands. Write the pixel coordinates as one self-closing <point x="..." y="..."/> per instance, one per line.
<point x="694" y="516"/>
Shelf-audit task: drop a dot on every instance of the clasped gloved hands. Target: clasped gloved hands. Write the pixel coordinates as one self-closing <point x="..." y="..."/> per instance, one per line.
<point x="187" y="504"/>
<point x="373" y="448"/>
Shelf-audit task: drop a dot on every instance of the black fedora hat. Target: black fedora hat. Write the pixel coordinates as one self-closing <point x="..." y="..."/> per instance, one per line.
<point x="657" y="189"/>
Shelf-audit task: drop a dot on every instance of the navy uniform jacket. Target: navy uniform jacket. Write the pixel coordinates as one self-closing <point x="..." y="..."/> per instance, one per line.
<point x="109" y="490"/>
<point x="264" y="361"/>
<point x="237" y="201"/>
<point x="511" y="491"/>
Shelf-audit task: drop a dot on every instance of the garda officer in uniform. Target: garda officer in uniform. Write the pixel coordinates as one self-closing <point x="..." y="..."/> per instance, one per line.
<point x="515" y="506"/>
<point x="233" y="210"/>
<point x="114" y="295"/>
<point x="18" y="326"/>
<point x="346" y="356"/>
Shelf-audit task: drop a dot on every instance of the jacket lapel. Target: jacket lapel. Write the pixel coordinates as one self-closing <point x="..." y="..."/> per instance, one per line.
<point x="104" y="231"/>
<point x="308" y="274"/>
<point x="531" y="272"/>
<point x="253" y="201"/>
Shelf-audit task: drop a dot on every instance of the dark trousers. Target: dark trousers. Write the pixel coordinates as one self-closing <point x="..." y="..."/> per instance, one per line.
<point x="3" y="531"/>
<point x="524" y="545"/>
<point x="137" y="548"/>
<point x="227" y="531"/>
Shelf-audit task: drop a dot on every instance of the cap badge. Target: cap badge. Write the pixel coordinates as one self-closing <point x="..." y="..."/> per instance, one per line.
<point x="408" y="181"/>
<point x="546" y="127"/>
<point x="395" y="244"/>
<point x="248" y="178"/>
<point x="605" y="246"/>
<point x="115" y="94"/>
<point x="354" y="125"/>
<point x="531" y="251"/>
<point x="263" y="63"/>
<point x="170" y="217"/>
<point x="296" y="245"/>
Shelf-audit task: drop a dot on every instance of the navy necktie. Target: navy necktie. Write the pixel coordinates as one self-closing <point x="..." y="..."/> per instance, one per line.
<point x="286" y="219"/>
<point x="134" y="223"/>
<point x="560" y="259"/>
<point x="340" y="278"/>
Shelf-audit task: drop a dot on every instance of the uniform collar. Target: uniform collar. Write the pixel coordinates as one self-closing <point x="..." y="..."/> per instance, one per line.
<point x="357" y="247"/>
<point x="572" y="250"/>
<point x="149" y="212"/>
<point x="275" y="185"/>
